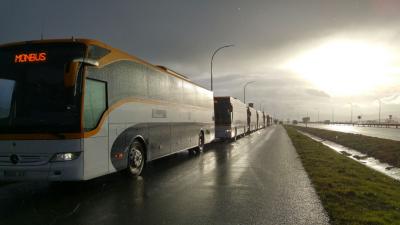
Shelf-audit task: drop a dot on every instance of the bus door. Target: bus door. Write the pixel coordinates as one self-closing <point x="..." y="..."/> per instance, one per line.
<point x="96" y="152"/>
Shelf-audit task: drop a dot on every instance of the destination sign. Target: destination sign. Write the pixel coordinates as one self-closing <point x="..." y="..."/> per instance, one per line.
<point x="30" y="57"/>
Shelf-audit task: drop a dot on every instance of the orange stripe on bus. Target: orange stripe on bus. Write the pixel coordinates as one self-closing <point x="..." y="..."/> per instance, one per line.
<point x="49" y="136"/>
<point x="132" y="100"/>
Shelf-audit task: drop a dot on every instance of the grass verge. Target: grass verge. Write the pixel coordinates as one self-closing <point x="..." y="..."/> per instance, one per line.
<point x="384" y="150"/>
<point x="350" y="192"/>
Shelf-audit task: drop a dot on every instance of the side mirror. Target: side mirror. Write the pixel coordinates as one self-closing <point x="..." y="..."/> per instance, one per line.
<point x="71" y="74"/>
<point x="87" y="61"/>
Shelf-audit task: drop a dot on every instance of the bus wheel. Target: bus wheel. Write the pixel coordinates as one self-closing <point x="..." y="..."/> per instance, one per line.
<point x="136" y="159"/>
<point x="200" y="146"/>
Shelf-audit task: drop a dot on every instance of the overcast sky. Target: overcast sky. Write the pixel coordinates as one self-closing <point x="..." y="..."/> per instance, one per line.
<point x="276" y="45"/>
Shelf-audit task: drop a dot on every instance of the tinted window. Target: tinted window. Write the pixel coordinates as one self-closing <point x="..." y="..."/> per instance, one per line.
<point x="223" y="111"/>
<point x="36" y="92"/>
<point x="95" y="103"/>
<point x="125" y="79"/>
<point x="7" y="87"/>
<point x="175" y="87"/>
<point x="96" y="52"/>
<point x="158" y="85"/>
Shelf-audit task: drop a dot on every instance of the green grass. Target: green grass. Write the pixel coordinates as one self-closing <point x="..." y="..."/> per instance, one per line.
<point x="350" y="192"/>
<point x="385" y="150"/>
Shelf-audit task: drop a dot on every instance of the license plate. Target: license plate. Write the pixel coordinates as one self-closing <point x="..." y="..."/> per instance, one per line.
<point x="14" y="173"/>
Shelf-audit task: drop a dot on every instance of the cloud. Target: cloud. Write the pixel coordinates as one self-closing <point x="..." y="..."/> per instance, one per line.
<point x="317" y="93"/>
<point x="393" y="99"/>
<point x="183" y="34"/>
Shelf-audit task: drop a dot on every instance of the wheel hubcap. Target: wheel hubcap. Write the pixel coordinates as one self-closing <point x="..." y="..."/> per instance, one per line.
<point x="136" y="158"/>
<point x="201" y="142"/>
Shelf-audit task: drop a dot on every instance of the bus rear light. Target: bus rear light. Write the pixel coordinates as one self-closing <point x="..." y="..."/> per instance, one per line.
<point x="119" y="155"/>
<point x="68" y="156"/>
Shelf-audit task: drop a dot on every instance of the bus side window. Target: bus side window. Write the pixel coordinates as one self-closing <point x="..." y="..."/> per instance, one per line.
<point x="95" y="102"/>
<point x="6" y="93"/>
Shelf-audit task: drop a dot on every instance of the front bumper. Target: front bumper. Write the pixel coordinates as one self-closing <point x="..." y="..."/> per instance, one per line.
<point x="52" y="171"/>
<point x="224" y="132"/>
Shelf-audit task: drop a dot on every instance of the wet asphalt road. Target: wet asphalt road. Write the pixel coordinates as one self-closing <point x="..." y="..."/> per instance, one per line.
<point x="256" y="180"/>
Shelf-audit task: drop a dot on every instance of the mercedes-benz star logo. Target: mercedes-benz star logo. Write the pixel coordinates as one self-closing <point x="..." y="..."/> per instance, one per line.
<point x="14" y="159"/>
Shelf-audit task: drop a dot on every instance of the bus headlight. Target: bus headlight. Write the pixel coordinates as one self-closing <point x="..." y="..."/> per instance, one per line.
<point x="68" y="156"/>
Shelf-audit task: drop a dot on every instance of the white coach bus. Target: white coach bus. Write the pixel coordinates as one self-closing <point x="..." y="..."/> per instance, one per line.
<point x="260" y="119"/>
<point x="79" y="109"/>
<point x="252" y="118"/>
<point x="230" y="117"/>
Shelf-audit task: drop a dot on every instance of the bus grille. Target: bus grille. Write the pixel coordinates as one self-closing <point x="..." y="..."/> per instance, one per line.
<point x="24" y="159"/>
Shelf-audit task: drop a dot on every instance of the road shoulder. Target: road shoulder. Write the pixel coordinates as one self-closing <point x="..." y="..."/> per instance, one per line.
<point x="350" y="192"/>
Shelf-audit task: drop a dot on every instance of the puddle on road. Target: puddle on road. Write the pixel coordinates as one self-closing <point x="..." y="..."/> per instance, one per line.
<point x="370" y="162"/>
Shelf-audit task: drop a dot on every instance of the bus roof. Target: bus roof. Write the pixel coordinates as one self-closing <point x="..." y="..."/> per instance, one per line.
<point x="109" y="58"/>
<point x="166" y="69"/>
<point x="230" y="97"/>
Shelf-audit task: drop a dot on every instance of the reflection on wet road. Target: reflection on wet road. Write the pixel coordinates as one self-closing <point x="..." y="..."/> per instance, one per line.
<point x="379" y="132"/>
<point x="256" y="180"/>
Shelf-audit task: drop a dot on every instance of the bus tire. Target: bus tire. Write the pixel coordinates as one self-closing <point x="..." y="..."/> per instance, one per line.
<point x="235" y="136"/>
<point x="136" y="159"/>
<point x="192" y="151"/>
<point x="200" y="146"/>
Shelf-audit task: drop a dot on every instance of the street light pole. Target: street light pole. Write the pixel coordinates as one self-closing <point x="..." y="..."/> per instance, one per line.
<point x="212" y="59"/>
<point x="351" y="113"/>
<point x="244" y="90"/>
<point x="380" y="105"/>
<point x="317" y="114"/>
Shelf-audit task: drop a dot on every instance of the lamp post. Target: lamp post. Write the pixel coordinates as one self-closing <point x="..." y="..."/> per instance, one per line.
<point x="351" y="113"/>
<point x="380" y="107"/>
<point x="212" y="59"/>
<point x="317" y="114"/>
<point x="244" y="90"/>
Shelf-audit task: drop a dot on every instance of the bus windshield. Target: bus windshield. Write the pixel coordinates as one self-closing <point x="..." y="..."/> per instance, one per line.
<point x="223" y="112"/>
<point x="34" y="94"/>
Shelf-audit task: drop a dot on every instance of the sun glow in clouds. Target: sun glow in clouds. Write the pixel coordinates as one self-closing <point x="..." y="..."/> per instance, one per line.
<point x="345" y="67"/>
